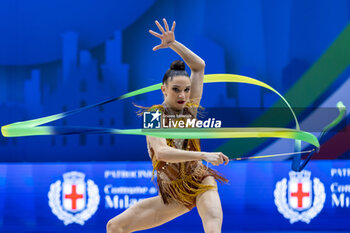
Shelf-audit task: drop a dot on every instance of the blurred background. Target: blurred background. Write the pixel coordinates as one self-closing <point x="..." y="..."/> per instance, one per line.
<point x="56" y="56"/>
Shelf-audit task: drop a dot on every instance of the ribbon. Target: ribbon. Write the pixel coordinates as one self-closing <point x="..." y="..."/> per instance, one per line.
<point x="32" y="128"/>
<point x="296" y="166"/>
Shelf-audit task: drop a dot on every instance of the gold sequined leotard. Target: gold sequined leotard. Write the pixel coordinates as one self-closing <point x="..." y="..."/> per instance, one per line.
<point x="181" y="182"/>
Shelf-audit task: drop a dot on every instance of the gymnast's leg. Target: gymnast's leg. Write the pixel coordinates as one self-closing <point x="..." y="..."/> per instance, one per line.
<point x="148" y="213"/>
<point x="209" y="208"/>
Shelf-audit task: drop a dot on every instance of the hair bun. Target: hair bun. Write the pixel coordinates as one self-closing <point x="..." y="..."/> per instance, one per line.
<point x="177" y="65"/>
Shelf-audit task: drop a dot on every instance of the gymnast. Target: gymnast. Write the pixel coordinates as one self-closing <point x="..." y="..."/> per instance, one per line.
<point x="183" y="180"/>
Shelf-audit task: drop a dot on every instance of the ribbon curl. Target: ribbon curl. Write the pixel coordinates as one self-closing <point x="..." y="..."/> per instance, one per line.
<point x="30" y="127"/>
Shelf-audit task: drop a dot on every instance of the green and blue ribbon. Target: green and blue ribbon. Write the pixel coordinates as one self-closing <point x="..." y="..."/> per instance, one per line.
<point x="33" y="128"/>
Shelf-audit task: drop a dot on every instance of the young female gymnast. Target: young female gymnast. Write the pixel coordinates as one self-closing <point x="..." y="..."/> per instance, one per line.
<point x="183" y="181"/>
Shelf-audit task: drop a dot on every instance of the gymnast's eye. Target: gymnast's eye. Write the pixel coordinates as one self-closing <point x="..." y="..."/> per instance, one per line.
<point x="176" y="89"/>
<point x="187" y="89"/>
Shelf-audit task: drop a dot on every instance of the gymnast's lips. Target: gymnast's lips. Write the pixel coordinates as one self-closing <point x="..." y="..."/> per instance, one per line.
<point x="181" y="102"/>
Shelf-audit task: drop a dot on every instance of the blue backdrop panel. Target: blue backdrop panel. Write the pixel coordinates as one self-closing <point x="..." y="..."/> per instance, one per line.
<point x="259" y="196"/>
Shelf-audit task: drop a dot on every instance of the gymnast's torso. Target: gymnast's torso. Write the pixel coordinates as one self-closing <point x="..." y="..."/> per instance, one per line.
<point x="181" y="182"/>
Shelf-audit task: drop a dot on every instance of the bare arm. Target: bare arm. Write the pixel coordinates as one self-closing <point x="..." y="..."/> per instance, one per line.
<point x="162" y="151"/>
<point x="195" y="63"/>
<point x="166" y="153"/>
<point x="197" y="66"/>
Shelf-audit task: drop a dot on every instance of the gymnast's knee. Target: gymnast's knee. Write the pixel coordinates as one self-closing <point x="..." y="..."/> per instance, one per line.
<point x="116" y="226"/>
<point x="212" y="220"/>
<point x="214" y="214"/>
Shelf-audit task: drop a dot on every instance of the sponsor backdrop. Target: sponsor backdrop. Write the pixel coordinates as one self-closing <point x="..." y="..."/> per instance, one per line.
<point x="67" y="197"/>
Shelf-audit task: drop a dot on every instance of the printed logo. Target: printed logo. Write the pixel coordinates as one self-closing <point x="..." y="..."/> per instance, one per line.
<point x="80" y="199"/>
<point x="299" y="206"/>
<point x="151" y="120"/>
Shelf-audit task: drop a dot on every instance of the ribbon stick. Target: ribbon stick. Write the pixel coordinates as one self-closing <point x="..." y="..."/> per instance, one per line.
<point x="271" y="156"/>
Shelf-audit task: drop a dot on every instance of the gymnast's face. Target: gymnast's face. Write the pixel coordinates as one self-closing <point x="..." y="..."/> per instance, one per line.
<point x="177" y="91"/>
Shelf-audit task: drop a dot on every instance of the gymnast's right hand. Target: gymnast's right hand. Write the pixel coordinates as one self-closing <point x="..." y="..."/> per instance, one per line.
<point x="168" y="36"/>
<point x="215" y="158"/>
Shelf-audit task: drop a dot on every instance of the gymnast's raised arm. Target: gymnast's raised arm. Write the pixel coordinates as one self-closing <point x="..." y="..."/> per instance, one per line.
<point x="195" y="63"/>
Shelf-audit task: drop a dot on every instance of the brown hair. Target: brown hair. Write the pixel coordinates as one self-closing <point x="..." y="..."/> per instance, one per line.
<point x="177" y="68"/>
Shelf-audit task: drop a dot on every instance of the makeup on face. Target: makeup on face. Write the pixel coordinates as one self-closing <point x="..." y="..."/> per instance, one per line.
<point x="178" y="92"/>
<point x="181" y="98"/>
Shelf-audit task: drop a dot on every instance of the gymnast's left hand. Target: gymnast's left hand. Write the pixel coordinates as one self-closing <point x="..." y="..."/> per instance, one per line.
<point x="215" y="158"/>
<point x="167" y="37"/>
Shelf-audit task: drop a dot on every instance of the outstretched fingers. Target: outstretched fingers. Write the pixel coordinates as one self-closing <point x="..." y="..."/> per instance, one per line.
<point x="157" y="47"/>
<point x="173" y="27"/>
<point x="166" y="25"/>
<point x="155" y="34"/>
<point x="167" y="37"/>
<point x="160" y="27"/>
